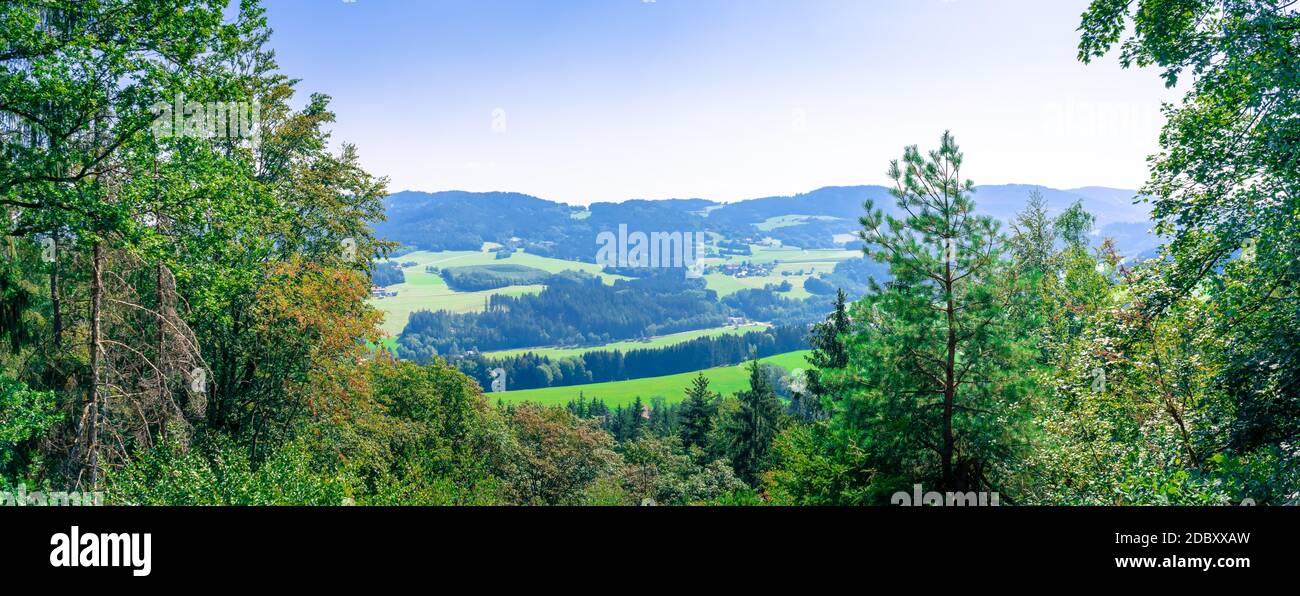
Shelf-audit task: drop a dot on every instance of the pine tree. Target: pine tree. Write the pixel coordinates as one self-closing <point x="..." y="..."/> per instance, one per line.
<point x="697" y="413"/>
<point x="829" y="352"/>
<point x="751" y="429"/>
<point x="636" y="419"/>
<point x="827" y="337"/>
<point x="938" y="360"/>
<point x="1034" y="235"/>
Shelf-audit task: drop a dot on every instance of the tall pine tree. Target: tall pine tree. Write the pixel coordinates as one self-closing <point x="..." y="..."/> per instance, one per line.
<point x="1034" y="237"/>
<point x="828" y="352"/>
<point x="937" y="357"/>
<point x="697" y="413"/>
<point x="751" y="428"/>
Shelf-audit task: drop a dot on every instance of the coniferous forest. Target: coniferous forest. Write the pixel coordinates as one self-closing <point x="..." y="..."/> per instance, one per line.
<point x="185" y="313"/>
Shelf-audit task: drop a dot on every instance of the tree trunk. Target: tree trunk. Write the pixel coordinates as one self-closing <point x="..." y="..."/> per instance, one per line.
<point x="55" y="300"/>
<point x="96" y="303"/>
<point x="950" y="380"/>
<point x="164" y="360"/>
<point x="161" y="356"/>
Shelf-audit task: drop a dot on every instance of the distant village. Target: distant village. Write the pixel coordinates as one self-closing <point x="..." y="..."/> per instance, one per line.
<point x="745" y="269"/>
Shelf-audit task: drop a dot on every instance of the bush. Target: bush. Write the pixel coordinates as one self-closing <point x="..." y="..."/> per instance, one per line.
<point x="25" y="416"/>
<point x="561" y="458"/>
<point x="433" y="441"/>
<point x="217" y="472"/>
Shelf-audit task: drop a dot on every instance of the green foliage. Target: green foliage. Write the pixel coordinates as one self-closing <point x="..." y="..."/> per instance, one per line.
<point x="15" y="301"/>
<point x="25" y="416"/>
<point x="1073" y="226"/>
<point x="429" y="439"/>
<point x="1221" y="306"/>
<point x="740" y="498"/>
<point x="1036" y="366"/>
<point x="188" y="252"/>
<point x="217" y="472"/>
<point x="475" y="278"/>
<point x="660" y="470"/>
<point x="697" y="413"/>
<point x="712" y="483"/>
<point x="386" y="273"/>
<point x="816" y="467"/>
<point x="1034" y="237"/>
<point x="560" y="456"/>
<point x="748" y="430"/>
<point x="829" y="354"/>
<point x="938" y="358"/>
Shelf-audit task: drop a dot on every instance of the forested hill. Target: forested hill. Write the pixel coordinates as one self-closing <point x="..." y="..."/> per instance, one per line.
<point x="460" y="220"/>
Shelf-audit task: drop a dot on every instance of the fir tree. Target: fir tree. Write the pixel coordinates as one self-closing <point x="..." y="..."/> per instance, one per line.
<point x="1034" y="235"/>
<point x="697" y="413"/>
<point x="751" y="429"/>
<point x="829" y="352"/>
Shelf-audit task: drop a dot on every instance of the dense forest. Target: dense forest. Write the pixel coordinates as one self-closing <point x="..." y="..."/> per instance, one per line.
<point x="459" y="220"/>
<point x="573" y="309"/>
<point x="385" y="274"/>
<point x="456" y="220"/>
<point x="490" y="277"/>
<point x="532" y="371"/>
<point x="183" y="313"/>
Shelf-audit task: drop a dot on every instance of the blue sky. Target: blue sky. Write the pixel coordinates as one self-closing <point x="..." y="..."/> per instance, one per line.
<point x="598" y="100"/>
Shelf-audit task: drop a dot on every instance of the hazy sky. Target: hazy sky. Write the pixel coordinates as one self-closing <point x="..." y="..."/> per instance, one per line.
<point x="599" y="100"/>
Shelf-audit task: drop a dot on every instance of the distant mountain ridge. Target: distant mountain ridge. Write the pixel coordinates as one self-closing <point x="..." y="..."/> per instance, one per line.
<point x="461" y="220"/>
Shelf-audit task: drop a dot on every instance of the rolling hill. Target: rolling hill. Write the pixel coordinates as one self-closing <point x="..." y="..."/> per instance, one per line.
<point x="459" y="220"/>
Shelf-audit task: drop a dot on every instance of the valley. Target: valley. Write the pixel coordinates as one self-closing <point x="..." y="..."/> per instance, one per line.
<point x="428" y="291"/>
<point x="213" y="291"/>
<point x="770" y="264"/>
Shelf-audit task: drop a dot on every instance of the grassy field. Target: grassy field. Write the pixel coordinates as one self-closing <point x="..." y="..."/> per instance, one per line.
<point x="725" y="380"/>
<point x="457" y="258"/>
<point x="810" y="262"/>
<point x="423" y="291"/>
<point x="765" y="254"/>
<point x="783" y="221"/>
<point x="654" y="342"/>
<point x="428" y="291"/>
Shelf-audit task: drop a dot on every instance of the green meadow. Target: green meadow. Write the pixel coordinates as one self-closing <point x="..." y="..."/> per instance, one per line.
<point x="726" y="380"/>
<point x="808" y="262"/>
<point x="428" y="291"/>
<point x="783" y="221"/>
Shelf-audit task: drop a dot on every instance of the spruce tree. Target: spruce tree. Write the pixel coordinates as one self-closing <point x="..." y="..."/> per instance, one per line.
<point x="697" y="413"/>
<point x="751" y="429"/>
<point x="1034" y="235"/>
<point x="829" y="352"/>
<point x="636" y="420"/>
